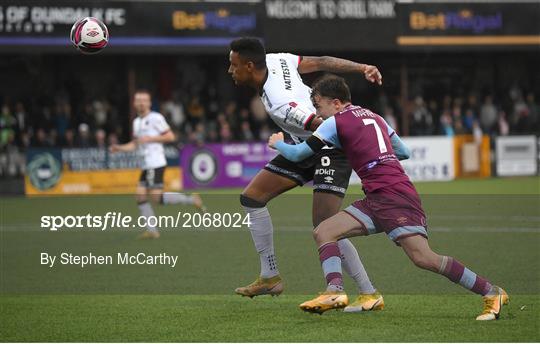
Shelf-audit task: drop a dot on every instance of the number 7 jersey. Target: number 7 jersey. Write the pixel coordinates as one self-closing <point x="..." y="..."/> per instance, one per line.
<point x="366" y="139"/>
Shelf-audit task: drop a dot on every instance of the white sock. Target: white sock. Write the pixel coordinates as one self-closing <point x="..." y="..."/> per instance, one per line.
<point x="351" y="263"/>
<point x="262" y="233"/>
<point x="176" y="198"/>
<point x="147" y="211"/>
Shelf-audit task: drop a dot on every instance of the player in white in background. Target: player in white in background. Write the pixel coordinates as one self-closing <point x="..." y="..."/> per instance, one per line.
<point x="276" y="77"/>
<point x="150" y="132"/>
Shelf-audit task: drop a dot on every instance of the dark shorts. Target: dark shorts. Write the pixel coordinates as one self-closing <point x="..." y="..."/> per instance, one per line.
<point x="329" y="170"/>
<point x="395" y="210"/>
<point x="152" y="178"/>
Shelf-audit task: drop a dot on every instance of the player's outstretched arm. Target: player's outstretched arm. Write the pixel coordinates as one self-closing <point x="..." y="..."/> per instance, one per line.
<point x="310" y="64"/>
<point x="400" y="148"/>
<point x="126" y="147"/>
<point x="166" y="137"/>
<point x="293" y="153"/>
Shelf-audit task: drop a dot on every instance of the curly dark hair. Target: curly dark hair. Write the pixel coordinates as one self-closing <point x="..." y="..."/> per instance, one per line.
<point x="250" y="49"/>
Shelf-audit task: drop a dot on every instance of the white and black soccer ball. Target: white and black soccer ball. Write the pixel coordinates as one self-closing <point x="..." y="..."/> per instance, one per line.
<point x="89" y="35"/>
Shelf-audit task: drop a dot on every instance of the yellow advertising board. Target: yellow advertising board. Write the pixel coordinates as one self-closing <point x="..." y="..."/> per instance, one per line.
<point x="54" y="171"/>
<point x="472" y="157"/>
<point x="102" y="182"/>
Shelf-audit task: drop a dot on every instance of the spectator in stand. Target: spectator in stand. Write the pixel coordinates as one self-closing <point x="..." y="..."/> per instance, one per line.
<point x="230" y="111"/>
<point x="247" y="133"/>
<point x="84" y="139"/>
<point x="11" y="161"/>
<point x="21" y="118"/>
<point x="212" y="103"/>
<point x="196" y="111"/>
<point x="42" y="119"/>
<point x="502" y="124"/>
<point x="112" y="139"/>
<point x="101" y="139"/>
<point x="200" y="133"/>
<point x="447" y="103"/>
<point x="8" y="124"/>
<point x="520" y="116"/>
<point x="225" y="133"/>
<point x="447" y="128"/>
<point x="100" y="110"/>
<point x="86" y="116"/>
<point x="62" y="118"/>
<point x="265" y="132"/>
<point x="488" y="115"/>
<point x="422" y="119"/>
<point x="433" y="109"/>
<point x="457" y="120"/>
<point x="68" y="139"/>
<point x="25" y="139"/>
<point x="534" y="113"/>
<point x="477" y="131"/>
<point x="213" y="135"/>
<point x="40" y="139"/>
<point x="174" y="110"/>
<point x="53" y="137"/>
<point x="472" y="104"/>
<point x="469" y="120"/>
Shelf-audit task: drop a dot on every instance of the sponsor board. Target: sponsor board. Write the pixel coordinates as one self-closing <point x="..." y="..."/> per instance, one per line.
<point x="90" y="171"/>
<point x="173" y="25"/>
<point x="223" y="165"/>
<point x="468" y="24"/>
<point x="432" y="158"/>
<point x="516" y="155"/>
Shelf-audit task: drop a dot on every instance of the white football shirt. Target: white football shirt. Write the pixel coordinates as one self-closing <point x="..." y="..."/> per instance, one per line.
<point x="153" y="153"/>
<point x="286" y="98"/>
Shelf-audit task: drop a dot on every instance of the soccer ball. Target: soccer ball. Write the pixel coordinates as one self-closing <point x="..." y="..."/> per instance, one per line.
<point x="89" y="35"/>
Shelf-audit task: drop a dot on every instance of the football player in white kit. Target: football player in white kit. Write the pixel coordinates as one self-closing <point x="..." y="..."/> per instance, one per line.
<point x="287" y="101"/>
<point x="150" y="132"/>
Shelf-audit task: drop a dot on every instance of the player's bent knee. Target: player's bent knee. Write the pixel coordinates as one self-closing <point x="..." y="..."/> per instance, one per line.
<point x="157" y="198"/>
<point x="250" y="202"/>
<point x="424" y="261"/>
<point x="141" y="199"/>
<point x="321" y="233"/>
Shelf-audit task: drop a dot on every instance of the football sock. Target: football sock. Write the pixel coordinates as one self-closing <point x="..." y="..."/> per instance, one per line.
<point x="330" y="258"/>
<point x="146" y="210"/>
<point x="262" y="233"/>
<point x="176" y="198"/>
<point x="458" y="273"/>
<point x="352" y="264"/>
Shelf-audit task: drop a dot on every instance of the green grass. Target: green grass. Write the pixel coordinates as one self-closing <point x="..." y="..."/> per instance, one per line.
<point x="493" y="226"/>
<point x="513" y="185"/>
<point x="229" y="318"/>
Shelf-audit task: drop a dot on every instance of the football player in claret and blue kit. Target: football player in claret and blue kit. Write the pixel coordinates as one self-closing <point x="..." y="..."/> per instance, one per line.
<point x="391" y="205"/>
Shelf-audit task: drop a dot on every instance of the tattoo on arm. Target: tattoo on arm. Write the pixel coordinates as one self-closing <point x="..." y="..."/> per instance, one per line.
<point x="329" y="64"/>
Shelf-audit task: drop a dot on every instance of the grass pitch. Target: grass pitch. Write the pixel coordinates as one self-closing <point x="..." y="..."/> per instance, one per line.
<point x="493" y="226"/>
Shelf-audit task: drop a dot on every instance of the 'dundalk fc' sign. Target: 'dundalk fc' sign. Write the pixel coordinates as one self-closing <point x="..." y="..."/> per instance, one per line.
<point x="131" y="24"/>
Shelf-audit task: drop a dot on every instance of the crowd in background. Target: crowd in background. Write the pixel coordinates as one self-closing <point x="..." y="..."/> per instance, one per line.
<point x="517" y="113"/>
<point x="203" y="119"/>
